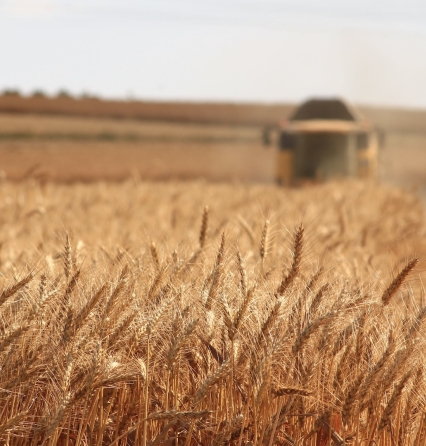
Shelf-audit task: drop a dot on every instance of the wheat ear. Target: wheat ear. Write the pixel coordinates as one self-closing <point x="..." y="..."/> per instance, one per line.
<point x="342" y="366"/>
<point x="70" y="287"/>
<point x="181" y="416"/>
<point x="12" y="422"/>
<point x="390" y="408"/>
<point x="65" y="398"/>
<point x="227" y="432"/>
<point x="13" y="335"/>
<point x="217" y="274"/>
<point x="67" y="257"/>
<point x="155" y="256"/>
<point x="343" y="338"/>
<point x="243" y="308"/>
<point x="309" y="330"/>
<point x="204" y="227"/>
<point x="243" y="274"/>
<point x="117" y="290"/>
<point x="121" y="328"/>
<point x="79" y="319"/>
<point x="398" y="281"/>
<point x="156" y="283"/>
<point x="316" y="301"/>
<point x="281" y="391"/>
<point x="295" y="266"/>
<point x="268" y="324"/>
<point x="211" y="380"/>
<point x="263" y="250"/>
<point x="178" y="343"/>
<point x="350" y="398"/>
<point x="8" y="292"/>
<point x="415" y="327"/>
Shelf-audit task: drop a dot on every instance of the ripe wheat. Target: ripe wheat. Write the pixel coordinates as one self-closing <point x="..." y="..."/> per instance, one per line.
<point x="133" y="313"/>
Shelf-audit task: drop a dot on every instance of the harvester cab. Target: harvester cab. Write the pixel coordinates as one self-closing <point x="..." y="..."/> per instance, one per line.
<point x="325" y="138"/>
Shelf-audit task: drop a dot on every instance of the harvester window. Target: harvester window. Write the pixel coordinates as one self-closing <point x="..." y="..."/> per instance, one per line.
<point x="287" y="141"/>
<point x="362" y="140"/>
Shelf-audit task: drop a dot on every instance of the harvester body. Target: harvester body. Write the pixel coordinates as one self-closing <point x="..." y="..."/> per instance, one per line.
<point x="325" y="138"/>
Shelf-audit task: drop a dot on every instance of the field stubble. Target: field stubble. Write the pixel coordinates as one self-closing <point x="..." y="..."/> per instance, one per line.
<point x="133" y="314"/>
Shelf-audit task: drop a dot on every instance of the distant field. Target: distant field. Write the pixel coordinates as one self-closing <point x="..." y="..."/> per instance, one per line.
<point x="44" y="127"/>
<point x="94" y="160"/>
<point x="403" y="161"/>
<point x="88" y="139"/>
<point x="69" y="148"/>
<point x="217" y="113"/>
<point x="72" y="147"/>
<point x="246" y="114"/>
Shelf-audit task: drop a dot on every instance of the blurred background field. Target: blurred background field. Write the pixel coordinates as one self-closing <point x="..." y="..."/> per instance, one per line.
<point x="90" y="139"/>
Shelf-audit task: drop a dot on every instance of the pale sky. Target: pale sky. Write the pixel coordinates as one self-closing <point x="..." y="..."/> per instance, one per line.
<point x="368" y="51"/>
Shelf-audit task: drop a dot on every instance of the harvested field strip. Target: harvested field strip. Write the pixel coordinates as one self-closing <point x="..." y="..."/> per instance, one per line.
<point x="19" y="136"/>
<point x="68" y="125"/>
<point x="134" y="314"/>
<point x="111" y="160"/>
<point x="389" y="119"/>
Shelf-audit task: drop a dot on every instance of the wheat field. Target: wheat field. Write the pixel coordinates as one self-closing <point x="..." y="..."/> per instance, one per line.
<point x="191" y="313"/>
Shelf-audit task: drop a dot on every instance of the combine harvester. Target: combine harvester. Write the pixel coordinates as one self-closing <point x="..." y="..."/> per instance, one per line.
<point x="325" y="138"/>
